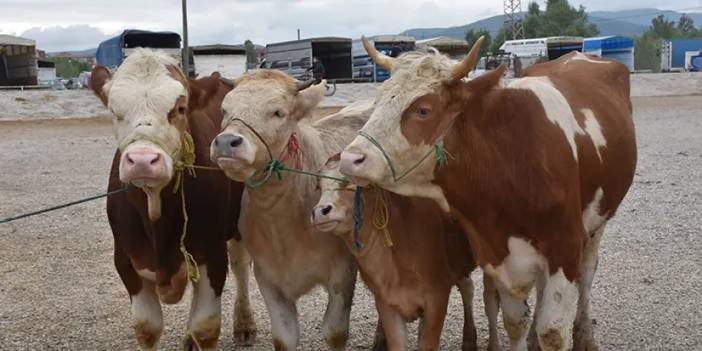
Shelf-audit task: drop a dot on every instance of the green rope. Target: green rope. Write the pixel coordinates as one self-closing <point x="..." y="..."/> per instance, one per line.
<point x="437" y="150"/>
<point x="275" y="166"/>
<point x="72" y="203"/>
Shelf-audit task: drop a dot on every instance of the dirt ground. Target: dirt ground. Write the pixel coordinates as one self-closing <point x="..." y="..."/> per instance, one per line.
<point x="59" y="290"/>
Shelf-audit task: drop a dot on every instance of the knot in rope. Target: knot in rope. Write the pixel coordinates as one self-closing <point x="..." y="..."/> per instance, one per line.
<point x="274" y="166"/>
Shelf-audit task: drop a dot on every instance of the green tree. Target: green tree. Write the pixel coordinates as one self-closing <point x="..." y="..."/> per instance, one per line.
<point x="251" y="55"/>
<point x="472" y="36"/>
<point x="647" y="50"/>
<point x="663" y="28"/>
<point x="67" y="67"/>
<point x="559" y="18"/>
<point x="686" y="27"/>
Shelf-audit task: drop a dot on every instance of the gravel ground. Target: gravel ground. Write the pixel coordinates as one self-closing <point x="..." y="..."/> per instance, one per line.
<point x="51" y="104"/>
<point x="59" y="290"/>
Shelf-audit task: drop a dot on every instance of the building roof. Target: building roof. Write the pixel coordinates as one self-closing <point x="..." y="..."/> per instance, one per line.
<point x="392" y="38"/>
<point x="443" y="42"/>
<point x="312" y="40"/>
<point x="13" y="40"/>
<point x="218" y="49"/>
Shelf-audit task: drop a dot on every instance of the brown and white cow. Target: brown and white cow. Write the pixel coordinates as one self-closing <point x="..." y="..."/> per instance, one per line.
<point x="269" y="111"/>
<point x="536" y="169"/>
<point x="411" y="272"/>
<point x="153" y="105"/>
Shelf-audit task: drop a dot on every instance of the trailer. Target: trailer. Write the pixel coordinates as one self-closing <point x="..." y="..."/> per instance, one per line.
<point x="531" y="51"/>
<point x="111" y="52"/>
<point x="295" y="57"/>
<point x="675" y="57"/>
<point x="614" y="47"/>
<point x="364" y="69"/>
<point x="228" y="60"/>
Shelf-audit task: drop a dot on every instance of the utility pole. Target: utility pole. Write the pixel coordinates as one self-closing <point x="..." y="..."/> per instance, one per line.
<point x="513" y="18"/>
<point x="298" y="34"/>
<point x="186" y="48"/>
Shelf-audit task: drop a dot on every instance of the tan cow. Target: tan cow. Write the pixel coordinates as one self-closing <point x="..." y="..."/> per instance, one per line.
<point x="412" y="255"/>
<point x="535" y="170"/>
<point x="267" y="116"/>
<point x="154" y="110"/>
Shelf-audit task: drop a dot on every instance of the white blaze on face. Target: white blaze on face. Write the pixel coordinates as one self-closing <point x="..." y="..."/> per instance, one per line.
<point x="593" y="129"/>
<point x="555" y="106"/>
<point x="271" y="107"/>
<point x="414" y="75"/>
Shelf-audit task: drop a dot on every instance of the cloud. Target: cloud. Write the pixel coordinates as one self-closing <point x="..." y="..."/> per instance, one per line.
<point x="80" y="24"/>
<point x="73" y="37"/>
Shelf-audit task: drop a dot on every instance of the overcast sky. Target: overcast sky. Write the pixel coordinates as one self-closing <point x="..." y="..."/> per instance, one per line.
<point x="82" y="24"/>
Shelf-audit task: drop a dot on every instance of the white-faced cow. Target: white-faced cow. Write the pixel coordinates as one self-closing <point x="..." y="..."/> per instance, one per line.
<point x="267" y="116"/>
<point x="412" y="255"/>
<point x="535" y="170"/>
<point x="153" y="108"/>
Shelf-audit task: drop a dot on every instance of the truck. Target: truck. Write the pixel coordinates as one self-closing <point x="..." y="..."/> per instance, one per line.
<point x="364" y="69"/>
<point x="295" y="57"/>
<point x="681" y="55"/>
<point x="112" y="52"/>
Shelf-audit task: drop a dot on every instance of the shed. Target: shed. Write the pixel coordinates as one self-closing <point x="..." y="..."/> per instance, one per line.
<point x="47" y="71"/>
<point x="454" y="48"/>
<point x="228" y="60"/>
<point x="18" y="61"/>
<point x="295" y="57"/>
<point x="613" y="47"/>
<point x="391" y="45"/>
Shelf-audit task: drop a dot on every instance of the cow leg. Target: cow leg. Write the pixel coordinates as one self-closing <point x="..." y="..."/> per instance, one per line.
<point x="554" y="323"/>
<point x="147" y="318"/>
<point x="470" y="336"/>
<point x="205" y="311"/>
<point x="492" y="308"/>
<point x="380" y="343"/>
<point x="583" y="338"/>
<point x="244" y="323"/>
<point x="393" y="325"/>
<point x="432" y="322"/>
<point x="533" y="339"/>
<point x="283" y="314"/>
<point x="340" y="288"/>
<point x="515" y="315"/>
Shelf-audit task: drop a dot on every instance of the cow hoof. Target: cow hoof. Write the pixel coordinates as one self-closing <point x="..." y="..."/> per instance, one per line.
<point x="245" y="338"/>
<point x="585" y="345"/>
<point x="188" y="344"/>
<point x="469" y="347"/>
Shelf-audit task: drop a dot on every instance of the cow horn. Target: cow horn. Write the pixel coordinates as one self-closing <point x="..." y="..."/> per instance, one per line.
<point x="306" y="84"/>
<point x="379" y="59"/>
<point x="228" y="82"/>
<point x="466" y="65"/>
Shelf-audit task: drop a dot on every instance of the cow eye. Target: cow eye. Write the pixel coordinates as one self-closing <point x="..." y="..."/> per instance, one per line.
<point x="423" y="112"/>
<point x="280" y="114"/>
<point x="182" y="110"/>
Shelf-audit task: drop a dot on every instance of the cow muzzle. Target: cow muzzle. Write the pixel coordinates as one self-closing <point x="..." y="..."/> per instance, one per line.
<point x="145" y="167"/>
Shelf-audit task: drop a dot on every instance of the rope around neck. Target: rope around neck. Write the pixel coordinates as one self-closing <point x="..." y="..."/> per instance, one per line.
<point x="437" y="150"/>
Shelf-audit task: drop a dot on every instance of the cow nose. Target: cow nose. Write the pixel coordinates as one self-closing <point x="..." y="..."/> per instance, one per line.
<point x="351" y="163"/>
<point x="144" y="164"/>
<point x="227" y="143"/>
<point x="325" y="210"/>
<point x="142" y="158"/>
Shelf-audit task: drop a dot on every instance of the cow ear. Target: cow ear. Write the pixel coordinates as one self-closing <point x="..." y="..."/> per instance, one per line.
<point x="308" y="99"/>
<point x="98" y="78"/>
<point x="486" y="82"/>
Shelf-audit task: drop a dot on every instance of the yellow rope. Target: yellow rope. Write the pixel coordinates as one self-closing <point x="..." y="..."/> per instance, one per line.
<point x="187" y="164"/>
<point x="381" y="216"/>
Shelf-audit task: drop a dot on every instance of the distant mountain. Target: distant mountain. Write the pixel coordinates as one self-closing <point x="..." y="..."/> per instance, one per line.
<point x="74" y="54"/>
<point x="628" y="23"/>
<point x="643" y="16"/>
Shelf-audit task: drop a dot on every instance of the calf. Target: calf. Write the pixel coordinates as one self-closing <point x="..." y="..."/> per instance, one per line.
<point x="537" y="170"/>
<point x="155" y="109"/>
<point x="412" y="255"/>
<point x="266" y="117"/>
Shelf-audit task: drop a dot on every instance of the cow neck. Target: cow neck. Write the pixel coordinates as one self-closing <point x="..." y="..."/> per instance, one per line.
<point x="291" y="187"/>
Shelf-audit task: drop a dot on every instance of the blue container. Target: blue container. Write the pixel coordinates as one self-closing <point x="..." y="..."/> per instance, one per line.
<point x="680" y="46"/>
